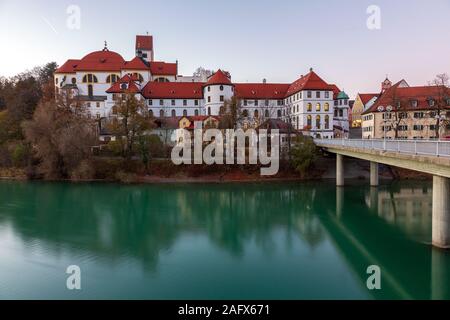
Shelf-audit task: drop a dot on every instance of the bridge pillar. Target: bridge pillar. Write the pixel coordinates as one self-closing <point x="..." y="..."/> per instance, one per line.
<point x="339" y="170"/>
<point x="374" y="174"/>
<point x="441" y="212"/>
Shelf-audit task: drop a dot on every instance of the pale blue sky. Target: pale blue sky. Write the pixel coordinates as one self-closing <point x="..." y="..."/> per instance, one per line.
<point x="253" y="39"/>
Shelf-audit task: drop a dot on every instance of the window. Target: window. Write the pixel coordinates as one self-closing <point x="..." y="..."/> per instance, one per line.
<point x="90" y="78"/>
<point x="266" y="103"/>
<point x="418" y="115"/>
<point x="309" y="94"/>
<point x="174" y="113"/>
<point x="56" y="80"/>
<point x="418" y="127"/>
<point x="327" y="94"/>
<point x="318" y="122"/>
<point x="221" y="110"/>
<point x="161" y="102"/>
<point x="112" y="78"/>
<point x="161" y="113"/>
<point x="138" y="76"/>
<point x="173" y="102"/>
<point x="309" y="107"/>
<point x="150" y="102"/>
<point x="280" y="102"/>
<point x="245" y="102"/>
<point x="209" y="89"/>
<point x="185" y="112"/>
<point x="209" y="111"/>
<point x="341" y="113"/>
<point x="326" y="107"/>
<point x="318" y="94"/>
<point x="266" y="113"/>
<point x="209" y="98"/>
<point x="327" y="122"/>
<point x="318" y="106"/>
<point x="90" y="90"/>
<point x="74" y="80"/>
<point x="196" y="112"/>
<point x="97" y="115"/>
<point x="402" y="115"/>
<point x="309" y="121"/>
<point x="222" y="98"/>
<point x="221" y="88"/>
<point x="245" y="113"/>
<point x="414" y="103"/>
<point x="256" y="102"/>
<point x="97" y="104"/>
<point x="256" y="114"/>
<point x="431" y="102"/>
<point x="196" y="102"/>
<point x="279" y="113"/>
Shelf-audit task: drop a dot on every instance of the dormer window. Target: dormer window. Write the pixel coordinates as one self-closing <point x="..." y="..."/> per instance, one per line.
<point x="431" y="102"/>
<point x="414" y="103"/>
<point x="309" y="94"/>
<point x="124" y="86"/>
<point x="327" y="94"/>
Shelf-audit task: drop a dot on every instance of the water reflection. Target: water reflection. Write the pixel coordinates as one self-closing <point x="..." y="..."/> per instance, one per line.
<point x="388" y="226"/>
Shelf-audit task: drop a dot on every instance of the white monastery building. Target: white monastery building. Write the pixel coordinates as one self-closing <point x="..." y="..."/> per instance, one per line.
<point x="309" y="103"/>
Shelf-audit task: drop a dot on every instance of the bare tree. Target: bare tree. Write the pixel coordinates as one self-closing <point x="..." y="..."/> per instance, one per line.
<point x="441" y="102"/>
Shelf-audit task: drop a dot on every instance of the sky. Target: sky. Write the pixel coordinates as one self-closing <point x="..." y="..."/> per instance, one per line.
<point x="252" y="39"/>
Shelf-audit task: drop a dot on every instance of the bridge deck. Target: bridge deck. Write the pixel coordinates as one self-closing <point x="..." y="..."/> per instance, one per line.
<point x="431" y="157"/>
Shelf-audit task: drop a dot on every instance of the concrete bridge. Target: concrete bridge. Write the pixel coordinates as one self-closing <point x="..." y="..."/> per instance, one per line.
<point x="432" y="157"/>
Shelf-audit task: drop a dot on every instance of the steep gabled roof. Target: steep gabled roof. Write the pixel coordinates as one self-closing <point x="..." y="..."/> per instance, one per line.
<point x="366" y="97"/>
<point x="405" y="95"/>
<point x="135" y="64"/>
<point x="309" y="82"/>
<point x="271" y="91"/>
<point x="173" y="90"/>
<point x="132" y="87"/>
<point x="160" y="68"/>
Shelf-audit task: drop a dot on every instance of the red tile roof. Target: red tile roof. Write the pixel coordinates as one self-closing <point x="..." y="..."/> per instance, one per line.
<point x="366" y="97"/>
<point x="101" y="61"/>
<point x="335" y="90"/>
<point x="270" y="91"/>
<point x="173" y="90"/>
<point x="128" y="79"/>
<point x="163" y="68"/>
<point x="135" y="64"/>
<point x="144" y="42"/>
<point x="421" y="94"/>
<point x="309" y="82"/>
<point x="68" y="67"/>
<point x="219" y="78"/>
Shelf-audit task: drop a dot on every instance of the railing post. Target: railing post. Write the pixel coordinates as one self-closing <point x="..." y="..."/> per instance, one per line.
<point x="437" y="148"/>
<point x="415" y="146"/>
<point x="398" y="145"/>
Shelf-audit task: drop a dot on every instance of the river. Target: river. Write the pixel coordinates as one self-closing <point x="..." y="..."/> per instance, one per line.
<point x="219" y="241"/>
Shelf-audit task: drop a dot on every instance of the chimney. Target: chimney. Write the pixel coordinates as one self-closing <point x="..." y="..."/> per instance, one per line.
<point x="264" y="80"/>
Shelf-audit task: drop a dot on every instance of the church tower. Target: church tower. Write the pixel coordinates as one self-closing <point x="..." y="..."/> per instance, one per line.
<point x="144" y="47"/>
<point x="386" y="85"/>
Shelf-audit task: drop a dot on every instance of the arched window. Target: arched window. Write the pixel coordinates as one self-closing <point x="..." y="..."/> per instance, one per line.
<point x="221" y="88"/>
<point x="90" y="90"/>
<point x="221" y="110"/>
<point x="266" y="113"/>
<point x="185" y="112"/>
<point x="245" y="113"/>
<point x="256" y="114"/>
<point x="74" y="80"/>
<point x="318" y="122"/>
<point x="298" y="122"/>
<point x="309" y="121"/>
<point x="326" y="107"/>
<point x="209" y="111"/>
<point x="209" y="89"/>
<point x="138" y="76"/>
<point x="174" y="114"/>
<point x="279" y="113"/>
<point x="318" y="107"/>
<point x="327" y="122"/>
<point x="161" y="113"/>
<point x="90" y="78"/>
<point x="162" y="79"/>
<point x="196" y="112"/>
<point x="309" y="107"/>
<point x="150" y="112"/>
<point x="112" y="78"/>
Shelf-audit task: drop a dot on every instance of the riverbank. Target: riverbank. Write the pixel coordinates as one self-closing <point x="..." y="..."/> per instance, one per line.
<point x="164" y="171"/>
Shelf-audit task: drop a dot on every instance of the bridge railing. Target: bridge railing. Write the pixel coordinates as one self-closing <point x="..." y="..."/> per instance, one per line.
<point x="419" y="147"/>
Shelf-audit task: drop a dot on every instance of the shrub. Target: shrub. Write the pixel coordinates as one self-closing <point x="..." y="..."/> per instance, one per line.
<point x="303" y="154"/>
